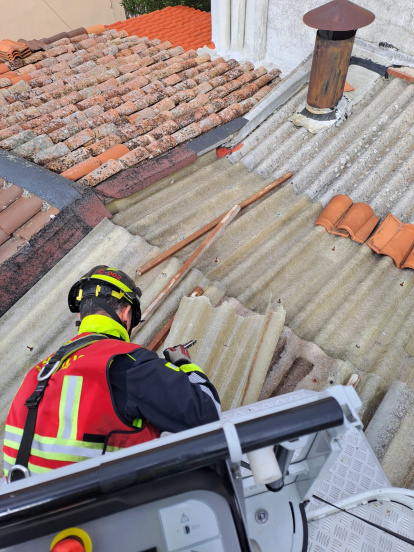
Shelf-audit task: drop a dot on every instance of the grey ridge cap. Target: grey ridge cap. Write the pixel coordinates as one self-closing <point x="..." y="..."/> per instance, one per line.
<point x="280" y="95"/>
<point x="51" y="187"/>
<point x="385" y="56"/>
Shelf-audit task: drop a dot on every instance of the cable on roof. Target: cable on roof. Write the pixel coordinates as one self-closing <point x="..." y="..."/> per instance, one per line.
<point x="396" y="535"/>
<point x="54" y="11"/>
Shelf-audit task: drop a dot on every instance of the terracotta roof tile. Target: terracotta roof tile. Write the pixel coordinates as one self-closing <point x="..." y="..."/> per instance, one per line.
<point x="395" y="239"/>
<point x="33" y="147"/>
<point x="177" y="24"/>
<point x="17" y="140"/>
<point x="50" y="154"/>
<point x="343" y="217"/>
<point x="103" y="145"/>
<point x="10" y="50"/>
<point x="93" y="93"/>
<point x="80" y="139"/>
<point x="81" y="169"/>
<point x="19" y="212"/>
<point x="100" y="174"/>
<point x="8" y="194"/>
<point x="36" y="223"/>
<point x="4" y="236"/>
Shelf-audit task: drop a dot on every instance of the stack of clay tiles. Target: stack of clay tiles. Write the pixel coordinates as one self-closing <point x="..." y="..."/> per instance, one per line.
<point x="21" y="216"/>
<point x="10" y="50"/>
<point x="96" y="105"/>
<point x="181" y="25"/>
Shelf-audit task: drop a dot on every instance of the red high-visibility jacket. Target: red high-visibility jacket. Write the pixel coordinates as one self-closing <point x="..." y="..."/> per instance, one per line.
<point x="77" y="416"/>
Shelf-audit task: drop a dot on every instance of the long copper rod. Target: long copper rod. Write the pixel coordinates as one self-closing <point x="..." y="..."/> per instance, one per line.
<point x="195" y="235"/>
<point x="187" y="266"/>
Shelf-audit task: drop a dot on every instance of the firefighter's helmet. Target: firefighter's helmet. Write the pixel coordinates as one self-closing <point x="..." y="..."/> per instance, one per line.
<point x="104" y="282"/>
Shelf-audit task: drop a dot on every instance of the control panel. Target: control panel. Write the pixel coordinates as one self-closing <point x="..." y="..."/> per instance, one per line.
<point x="196" y="521"/>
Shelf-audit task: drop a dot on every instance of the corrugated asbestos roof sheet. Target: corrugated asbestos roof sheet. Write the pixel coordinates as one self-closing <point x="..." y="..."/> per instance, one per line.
<point x="234" y="350"/>
<point x="356" y="306"/>
<point x="341" y="299"/>
<point x="369" y="157"/>
<point x="250" y="337"/>
<point x="181" y="25"/>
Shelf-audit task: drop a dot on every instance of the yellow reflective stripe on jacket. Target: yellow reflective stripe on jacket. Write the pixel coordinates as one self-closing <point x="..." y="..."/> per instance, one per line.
<point x="12" y="429"/>
<point x="13" y="434"/>
<point x="184" y="368"/>
<point x="190" y="368"/>
<point x="69" y="407"/>
<point x="57" y="449"/>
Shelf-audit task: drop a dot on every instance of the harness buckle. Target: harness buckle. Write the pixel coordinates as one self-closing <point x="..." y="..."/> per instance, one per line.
<point x="17" y="472"/>
<point x="34" y="399"/>
<point x="49" y="371"/>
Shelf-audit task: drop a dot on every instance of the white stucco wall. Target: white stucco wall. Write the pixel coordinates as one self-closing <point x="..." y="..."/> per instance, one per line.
<point x="394" y="23"/>
<point x="289" y="40"/>
<point x="38" y="18"/>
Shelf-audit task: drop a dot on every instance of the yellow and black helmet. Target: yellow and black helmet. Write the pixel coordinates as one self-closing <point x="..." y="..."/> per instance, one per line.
<point x="103" y="282"/>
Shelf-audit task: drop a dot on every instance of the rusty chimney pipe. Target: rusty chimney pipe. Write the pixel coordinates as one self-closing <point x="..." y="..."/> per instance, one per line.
<point x="337" y="23"/>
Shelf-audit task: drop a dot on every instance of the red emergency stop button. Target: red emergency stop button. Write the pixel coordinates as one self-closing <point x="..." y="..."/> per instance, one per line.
<point x="72" y="540"/>
<point x="69" y="545"/>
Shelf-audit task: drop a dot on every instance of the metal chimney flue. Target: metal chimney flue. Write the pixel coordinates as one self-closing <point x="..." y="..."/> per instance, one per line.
<point x="337" y="23"/>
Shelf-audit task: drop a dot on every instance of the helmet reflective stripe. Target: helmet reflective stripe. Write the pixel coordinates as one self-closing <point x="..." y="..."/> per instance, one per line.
<point x="112" y="281"/>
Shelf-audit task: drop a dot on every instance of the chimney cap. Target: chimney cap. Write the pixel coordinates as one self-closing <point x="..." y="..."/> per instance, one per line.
<point x="338" y="15"/>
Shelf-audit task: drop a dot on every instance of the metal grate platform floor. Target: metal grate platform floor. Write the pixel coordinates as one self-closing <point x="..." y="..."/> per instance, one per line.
<point x="355" y="471"/>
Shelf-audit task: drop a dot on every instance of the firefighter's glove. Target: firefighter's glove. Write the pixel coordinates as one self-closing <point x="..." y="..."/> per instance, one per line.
<point x="177" y="355"/>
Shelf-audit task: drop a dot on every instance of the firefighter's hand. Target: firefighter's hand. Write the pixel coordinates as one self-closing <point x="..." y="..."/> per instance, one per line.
<point x="178" y="355"/>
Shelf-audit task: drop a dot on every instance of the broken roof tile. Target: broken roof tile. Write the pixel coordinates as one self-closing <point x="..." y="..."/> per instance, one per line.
<point x="73" y="158"/>
<point x="162" y="145"/>
<point x="343" y="217"/>
<point x="395" y="239"/>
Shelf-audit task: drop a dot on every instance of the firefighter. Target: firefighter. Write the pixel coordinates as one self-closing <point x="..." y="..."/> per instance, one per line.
<point x="99" y="392"/>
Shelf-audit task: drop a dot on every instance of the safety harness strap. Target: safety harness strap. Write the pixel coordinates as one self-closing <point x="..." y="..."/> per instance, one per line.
<point x="32" y="402"/>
